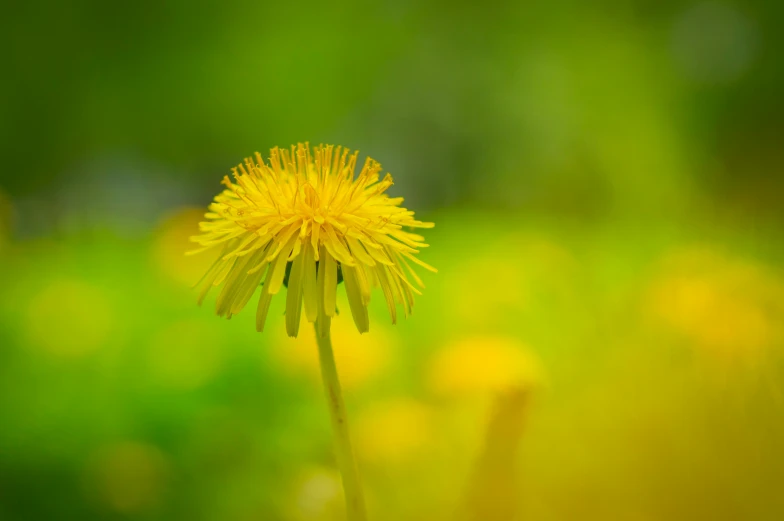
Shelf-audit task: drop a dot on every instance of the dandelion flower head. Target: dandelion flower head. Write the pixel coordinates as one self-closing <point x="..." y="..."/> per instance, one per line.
<point x="303" y="220"/>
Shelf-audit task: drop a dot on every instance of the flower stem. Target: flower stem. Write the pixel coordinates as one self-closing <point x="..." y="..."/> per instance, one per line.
<point x="355" y="499"/>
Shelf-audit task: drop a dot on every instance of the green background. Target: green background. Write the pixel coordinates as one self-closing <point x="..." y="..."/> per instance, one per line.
<point x="603" y="339"/>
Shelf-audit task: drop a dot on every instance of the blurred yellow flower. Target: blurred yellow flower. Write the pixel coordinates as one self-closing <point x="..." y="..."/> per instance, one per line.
<point x="317" y="495"/>
<point x="484" y="364"/>
<point x="305" y="220"/>
<point x="359" y="357"/>
<point x="730" y="309"/>
<point x="394" y="431"/>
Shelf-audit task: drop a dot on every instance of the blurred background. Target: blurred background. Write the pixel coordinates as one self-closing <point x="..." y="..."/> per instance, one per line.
<point x="603" y="339"/>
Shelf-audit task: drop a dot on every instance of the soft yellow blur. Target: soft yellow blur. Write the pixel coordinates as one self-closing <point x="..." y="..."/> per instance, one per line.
<point x="481" y="365"/>
<point x="731" y="310"/>
<point x="395" y="432"/>
<point x="360" y="358"/>
<point x="317" y="495"/>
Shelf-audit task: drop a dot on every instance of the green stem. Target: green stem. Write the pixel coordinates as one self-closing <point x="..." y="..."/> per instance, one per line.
<point x="355" y="499"/>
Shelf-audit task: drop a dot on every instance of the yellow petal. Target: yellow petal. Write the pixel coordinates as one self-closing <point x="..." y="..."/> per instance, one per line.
<point x="250" y="286"/>
<point x="252" y="280"/>
<point x="315" y="239"/>
<point x="208" y="279"/>
<point x="383" y="279"/>
<point x="358" y="251"/>
<point x="364" y="282"/>
<point x="279" y="267"/>
<point x="247" y="242"/>
<point x="330" y="283"/>
<point x="224" y="272"/>
<point x="358" y="309"/>
<point x="281" y="241"/>
<point x="320" y="283"/>
<point x="309" y="288"/>
<point x="232" y="287"/>
<point x="295" y="250"/>
<point x="423" y="264"/>
<point x="377" y="252"/>
<point x="337" y="248"/>
<point x="294" y="296"/>
<point x="264" y="303"/>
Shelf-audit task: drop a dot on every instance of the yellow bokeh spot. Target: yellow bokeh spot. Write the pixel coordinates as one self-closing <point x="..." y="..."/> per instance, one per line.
<point x="170" y="243"/>
<point x="185" y="354"/>
<point x="394" y="431"/>
<point x="359" y="357"/>
<point x="483" y="364"/>
<point x="128" y="477"/>
<point x="728" y="308"/>
<point x="318" y="495"/>
<point x="69" y="318"/>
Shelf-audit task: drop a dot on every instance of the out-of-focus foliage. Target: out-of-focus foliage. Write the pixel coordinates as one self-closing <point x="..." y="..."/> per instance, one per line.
<point x="603" y="339"/>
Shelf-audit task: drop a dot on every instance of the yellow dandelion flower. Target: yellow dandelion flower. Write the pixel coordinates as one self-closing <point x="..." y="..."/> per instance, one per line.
<point x="305" y="221"/>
